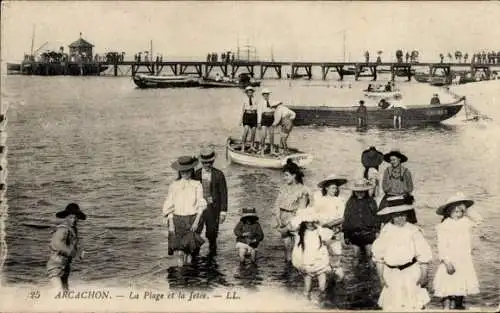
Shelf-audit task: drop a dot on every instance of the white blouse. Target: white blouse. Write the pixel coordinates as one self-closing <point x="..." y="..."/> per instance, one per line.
<point x="185" y="197"/>
<point x="328" y="208"/>
<point x="399" y="245"/>
<point x="454" y="239"/>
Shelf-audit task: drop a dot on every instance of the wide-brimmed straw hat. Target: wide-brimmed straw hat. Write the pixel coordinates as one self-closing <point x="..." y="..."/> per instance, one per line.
<point x="74" y="209"/>
<point x="332" y="179"/>
<point x="248" y="212"/>
<point x="396" y="153"/>
<point x="266" y="91"/>
<point x="336" y="222"/>
<point x="276" y="103"/>
<point x="361" y="185"/>
<point x="185" y="163"/>
<point x="306" y="215"/>
<point x="399" y="204"/>
<point x="207" y="155"/>
<point x="249" y="88"/>
<point x="458" y="198"/>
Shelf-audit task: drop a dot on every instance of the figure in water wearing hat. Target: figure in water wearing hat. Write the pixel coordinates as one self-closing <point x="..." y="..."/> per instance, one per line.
<point x="456" y="277"/>
<point x="214" y="186"/>
<point x="397" y="182"/>
<point x="293" y="196"/>
<point x="265" y="119"/>
<point x="402" y="255"/>
<point x="361" y="224"/>
<point x="65" y="246"/>
<point x="248" y="234"/>
<point x="283" y="117"/>
<point x="311" y="249"/>
<point x="249" y="119"/>
<point x="183" y="209"/>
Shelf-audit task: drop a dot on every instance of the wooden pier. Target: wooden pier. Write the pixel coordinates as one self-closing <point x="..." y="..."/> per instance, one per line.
<point x="259" y="69"/>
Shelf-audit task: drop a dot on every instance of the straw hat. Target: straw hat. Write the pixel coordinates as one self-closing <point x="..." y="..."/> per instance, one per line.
<point x="266" y="91"/>
<point x="249" y="88"/>
<point x="361" y="185"/>
<point x="396" y="205"/>
<point x="207" y="155"/>
<point x="74" y="209"/>
<point x="248" y="212"/>
<point x="332" y="179"/>
<point x="457" y="199"/>
<point x="185" y="163"/>
<point x="306" y="215"/>
<point x="372" y="173"/>
<point x="396" y="153"/>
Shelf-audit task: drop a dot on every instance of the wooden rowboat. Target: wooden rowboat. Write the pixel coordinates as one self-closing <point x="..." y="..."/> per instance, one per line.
<point x="151" y="81"/>
<point x="375" y="94"/>
<point x="234" y="154"/>
<point x="411" y="115"/>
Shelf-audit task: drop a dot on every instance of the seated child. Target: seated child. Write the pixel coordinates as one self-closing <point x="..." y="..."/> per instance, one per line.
<point x="248" y="234"/>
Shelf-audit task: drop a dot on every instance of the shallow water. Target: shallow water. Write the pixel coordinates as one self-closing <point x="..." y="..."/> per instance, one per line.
<point x="107" y="145"/>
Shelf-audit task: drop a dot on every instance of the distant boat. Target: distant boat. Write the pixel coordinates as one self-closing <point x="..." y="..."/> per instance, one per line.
<point x="13" y="67"/>
<point x="422" y="77"/>
<point x="174" y="81"/>
<point x="243" y="80"/>
<point x="412" y="115"/>
<point x="379" y="94"/>
<point x="234" y="154"/>
<point x="439" y="80"/>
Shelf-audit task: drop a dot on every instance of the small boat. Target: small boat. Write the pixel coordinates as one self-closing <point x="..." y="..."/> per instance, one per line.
<point x="212" y="83"/>
<point x="421" y="77"/>
<point x="243" y="80"/>
<point x="412" y="115"/>
<point x="439" y="80"/>
<point x="151" y="81"/>
<point x="13" y="67"/>
<point x="379" y="94"/>
<point x="234" y="154"/>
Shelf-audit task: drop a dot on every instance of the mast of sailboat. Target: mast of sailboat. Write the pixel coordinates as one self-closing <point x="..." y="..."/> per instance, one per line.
<point x="344" y="43"/>
<point x="151" y="49"/>
<point x="32" y="40"/>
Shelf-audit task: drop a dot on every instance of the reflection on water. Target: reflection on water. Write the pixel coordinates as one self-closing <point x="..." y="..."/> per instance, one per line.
<point x="111" y="152"/>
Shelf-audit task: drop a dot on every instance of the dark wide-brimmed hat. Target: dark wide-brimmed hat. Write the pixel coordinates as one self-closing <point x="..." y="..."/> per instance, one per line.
<point x="249" y="212"/>
<point x="396" y="205"/>
<point x="207" y="155"/>
<point x="332" y="179"/>
<point x="185" y="163"/>
<point x="396" y="153"/>
<point x="453" y="201"/>
<point x="74" y="209"/>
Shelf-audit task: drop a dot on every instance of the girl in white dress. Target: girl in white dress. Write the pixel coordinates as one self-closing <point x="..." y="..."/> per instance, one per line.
<point x="401" y="254"/>
<point x="310" y="254"/>
<point x="455" y="277"/>
<point x="330" y="206"/>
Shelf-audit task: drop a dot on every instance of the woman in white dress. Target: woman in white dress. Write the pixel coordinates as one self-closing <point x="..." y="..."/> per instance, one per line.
<point x="329" y="207"/>
<point x="401" y="254"/>
<point x="455" y="277"/>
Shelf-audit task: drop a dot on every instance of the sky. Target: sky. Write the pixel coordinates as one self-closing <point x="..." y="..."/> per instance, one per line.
<point x="288" y="30"/>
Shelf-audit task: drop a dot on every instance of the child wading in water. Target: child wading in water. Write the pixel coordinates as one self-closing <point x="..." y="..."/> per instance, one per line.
<point x="455" y="277"/>
<point x="311" y="249"/>
<point x="248" y="234"/>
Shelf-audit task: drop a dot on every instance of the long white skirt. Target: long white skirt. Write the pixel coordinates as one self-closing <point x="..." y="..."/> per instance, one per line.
<point x="402" y="293"/>
<point x="461" y="283"/>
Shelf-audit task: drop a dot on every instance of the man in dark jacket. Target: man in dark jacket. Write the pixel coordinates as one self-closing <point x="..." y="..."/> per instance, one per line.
<point x="215" y="193"/>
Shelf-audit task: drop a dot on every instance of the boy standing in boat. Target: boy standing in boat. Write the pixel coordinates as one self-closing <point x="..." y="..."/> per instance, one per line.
<point x="249" y="119"/>
<point x="265" y="119"/>
<point x="64" y="246"/>
<point x="283" y="117"/>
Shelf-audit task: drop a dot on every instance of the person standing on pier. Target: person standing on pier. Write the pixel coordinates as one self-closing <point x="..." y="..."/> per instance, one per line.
<point x="265" y="119"/>
<point x="214" y="186"/>
<point x="284" y="117"/>
<point x="249" y="119"/>
<point x="65" y="246"/>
